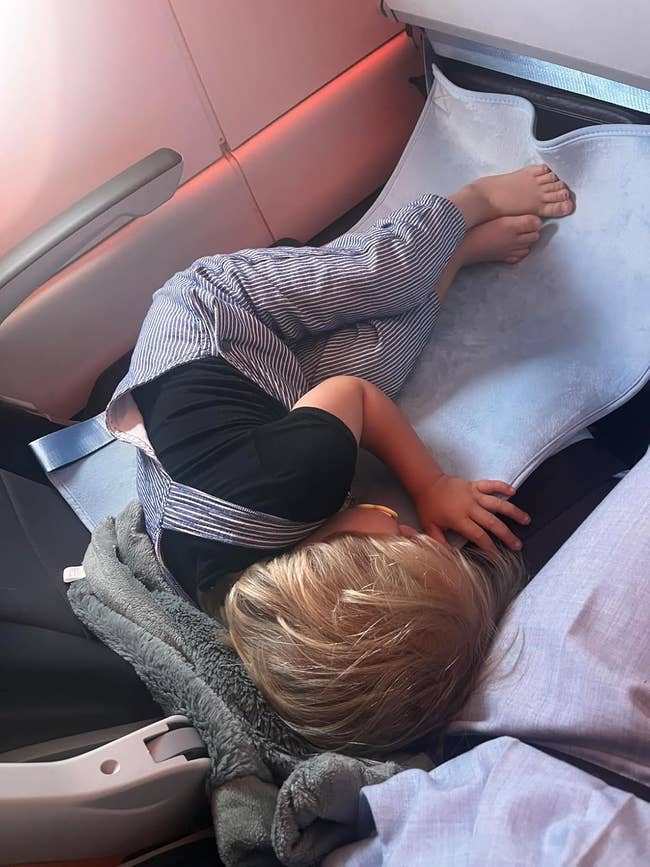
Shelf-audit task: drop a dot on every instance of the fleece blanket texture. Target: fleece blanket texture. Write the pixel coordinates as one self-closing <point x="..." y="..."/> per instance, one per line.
<point x="274" y="800"/>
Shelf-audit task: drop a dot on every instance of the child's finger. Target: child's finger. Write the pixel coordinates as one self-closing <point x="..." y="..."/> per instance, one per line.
<point x="490" y="522"/>
<point x="503" y="507"/>
<point x="493" y="486"/>
<point x="437" y="535"/>
<point x="471" y="531"/>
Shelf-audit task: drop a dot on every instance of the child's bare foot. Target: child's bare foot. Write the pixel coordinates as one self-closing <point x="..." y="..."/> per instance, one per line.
<point x="506" y="239"/>
<point x="532" y="190"/>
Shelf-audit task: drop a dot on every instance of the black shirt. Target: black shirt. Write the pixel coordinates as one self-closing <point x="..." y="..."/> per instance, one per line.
<point x="215" y="430"/>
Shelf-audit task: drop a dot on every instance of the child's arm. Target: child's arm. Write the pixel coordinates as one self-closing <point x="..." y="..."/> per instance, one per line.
<point x="442" y="502"/>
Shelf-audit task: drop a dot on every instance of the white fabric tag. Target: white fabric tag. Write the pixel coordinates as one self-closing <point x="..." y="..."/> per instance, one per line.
<point x="73" y="573"/>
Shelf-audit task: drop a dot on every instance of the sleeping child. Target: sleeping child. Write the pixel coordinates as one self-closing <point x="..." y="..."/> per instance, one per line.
<point x="255" y="379"/>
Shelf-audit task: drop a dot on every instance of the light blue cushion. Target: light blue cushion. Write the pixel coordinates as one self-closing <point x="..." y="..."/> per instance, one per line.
<point x="522" y="357"/>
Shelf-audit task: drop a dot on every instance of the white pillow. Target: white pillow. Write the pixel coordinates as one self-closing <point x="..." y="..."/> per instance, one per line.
<point x="570" y="666"/>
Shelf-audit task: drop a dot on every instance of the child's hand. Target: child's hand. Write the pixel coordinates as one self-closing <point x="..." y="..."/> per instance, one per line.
<point x="468" y="508"/>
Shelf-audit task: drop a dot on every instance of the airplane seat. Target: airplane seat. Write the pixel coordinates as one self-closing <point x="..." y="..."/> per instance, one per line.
<point x="58" y="680"/>
<point x="61" y="682"/>
<point x="64" y="691"/>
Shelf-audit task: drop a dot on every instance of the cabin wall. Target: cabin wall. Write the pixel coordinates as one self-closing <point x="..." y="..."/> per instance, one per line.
<point x="285" y="121"/>
<point x="93" y="86"/>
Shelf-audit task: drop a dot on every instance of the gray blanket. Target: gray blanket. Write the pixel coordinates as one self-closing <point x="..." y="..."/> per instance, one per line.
<point x="273" y="798"/>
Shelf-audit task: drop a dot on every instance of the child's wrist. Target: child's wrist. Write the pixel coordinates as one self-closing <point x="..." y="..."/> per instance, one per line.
<point x="425" y="483"/>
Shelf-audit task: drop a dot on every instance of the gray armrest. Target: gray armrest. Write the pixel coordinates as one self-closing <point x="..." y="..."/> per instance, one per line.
<point x="129" y="794"/>
<point x="135" y="192"/>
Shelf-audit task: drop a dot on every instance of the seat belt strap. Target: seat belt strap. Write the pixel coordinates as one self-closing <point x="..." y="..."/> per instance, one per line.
<point x="65" y="446"/>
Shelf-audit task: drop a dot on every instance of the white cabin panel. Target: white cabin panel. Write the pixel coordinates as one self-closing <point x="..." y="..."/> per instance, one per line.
<point x="55" y="345"/>
<point x="338" y="146"/>
<point x="259" y="58"/>
<point x="87" y="89"/>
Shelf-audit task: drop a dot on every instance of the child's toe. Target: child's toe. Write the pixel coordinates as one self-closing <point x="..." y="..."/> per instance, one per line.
<point x="559" y="196"/>
<point x="557" y="209"/>
<point x="527" y="223"/>
<point x="553" y="187"/>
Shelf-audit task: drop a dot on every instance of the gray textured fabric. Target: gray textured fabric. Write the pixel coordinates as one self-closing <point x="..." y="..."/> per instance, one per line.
<point x="569" y="666"/>
<point x="273" y="799"/>
<point x="501" y="804"/>
<point x="516" y="364"/>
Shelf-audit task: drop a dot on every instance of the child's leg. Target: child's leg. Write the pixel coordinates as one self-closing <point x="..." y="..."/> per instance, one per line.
<point x="384" y="351"/>
<point x="383" y="272"/>
<point x="392" y="268"/>
<point x="507" y="239"/>
<point x="381" y="351"/>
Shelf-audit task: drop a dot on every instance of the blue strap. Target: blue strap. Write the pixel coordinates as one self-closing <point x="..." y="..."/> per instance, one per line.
<point x="71" y="443"/>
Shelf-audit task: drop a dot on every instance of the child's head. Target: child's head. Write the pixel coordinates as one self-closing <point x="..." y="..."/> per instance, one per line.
<point x="365" y="643"/>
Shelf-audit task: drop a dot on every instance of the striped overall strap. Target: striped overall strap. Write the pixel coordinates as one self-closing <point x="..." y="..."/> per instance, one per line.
<point x="170" y="505"/>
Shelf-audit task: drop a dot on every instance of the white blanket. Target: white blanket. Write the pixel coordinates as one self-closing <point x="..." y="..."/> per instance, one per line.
<point x="523" y="357"/>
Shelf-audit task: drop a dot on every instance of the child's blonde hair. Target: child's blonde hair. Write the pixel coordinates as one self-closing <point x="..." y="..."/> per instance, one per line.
<point x="365" y="643"/>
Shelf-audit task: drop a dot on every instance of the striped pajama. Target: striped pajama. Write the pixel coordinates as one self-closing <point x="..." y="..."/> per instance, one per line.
<point x="288" y="318"/>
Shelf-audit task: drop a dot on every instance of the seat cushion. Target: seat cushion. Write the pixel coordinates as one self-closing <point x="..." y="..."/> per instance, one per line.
<point x="56" y="679"/>
<point x="39" y="536"/>
<point x="55" y="685"/>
